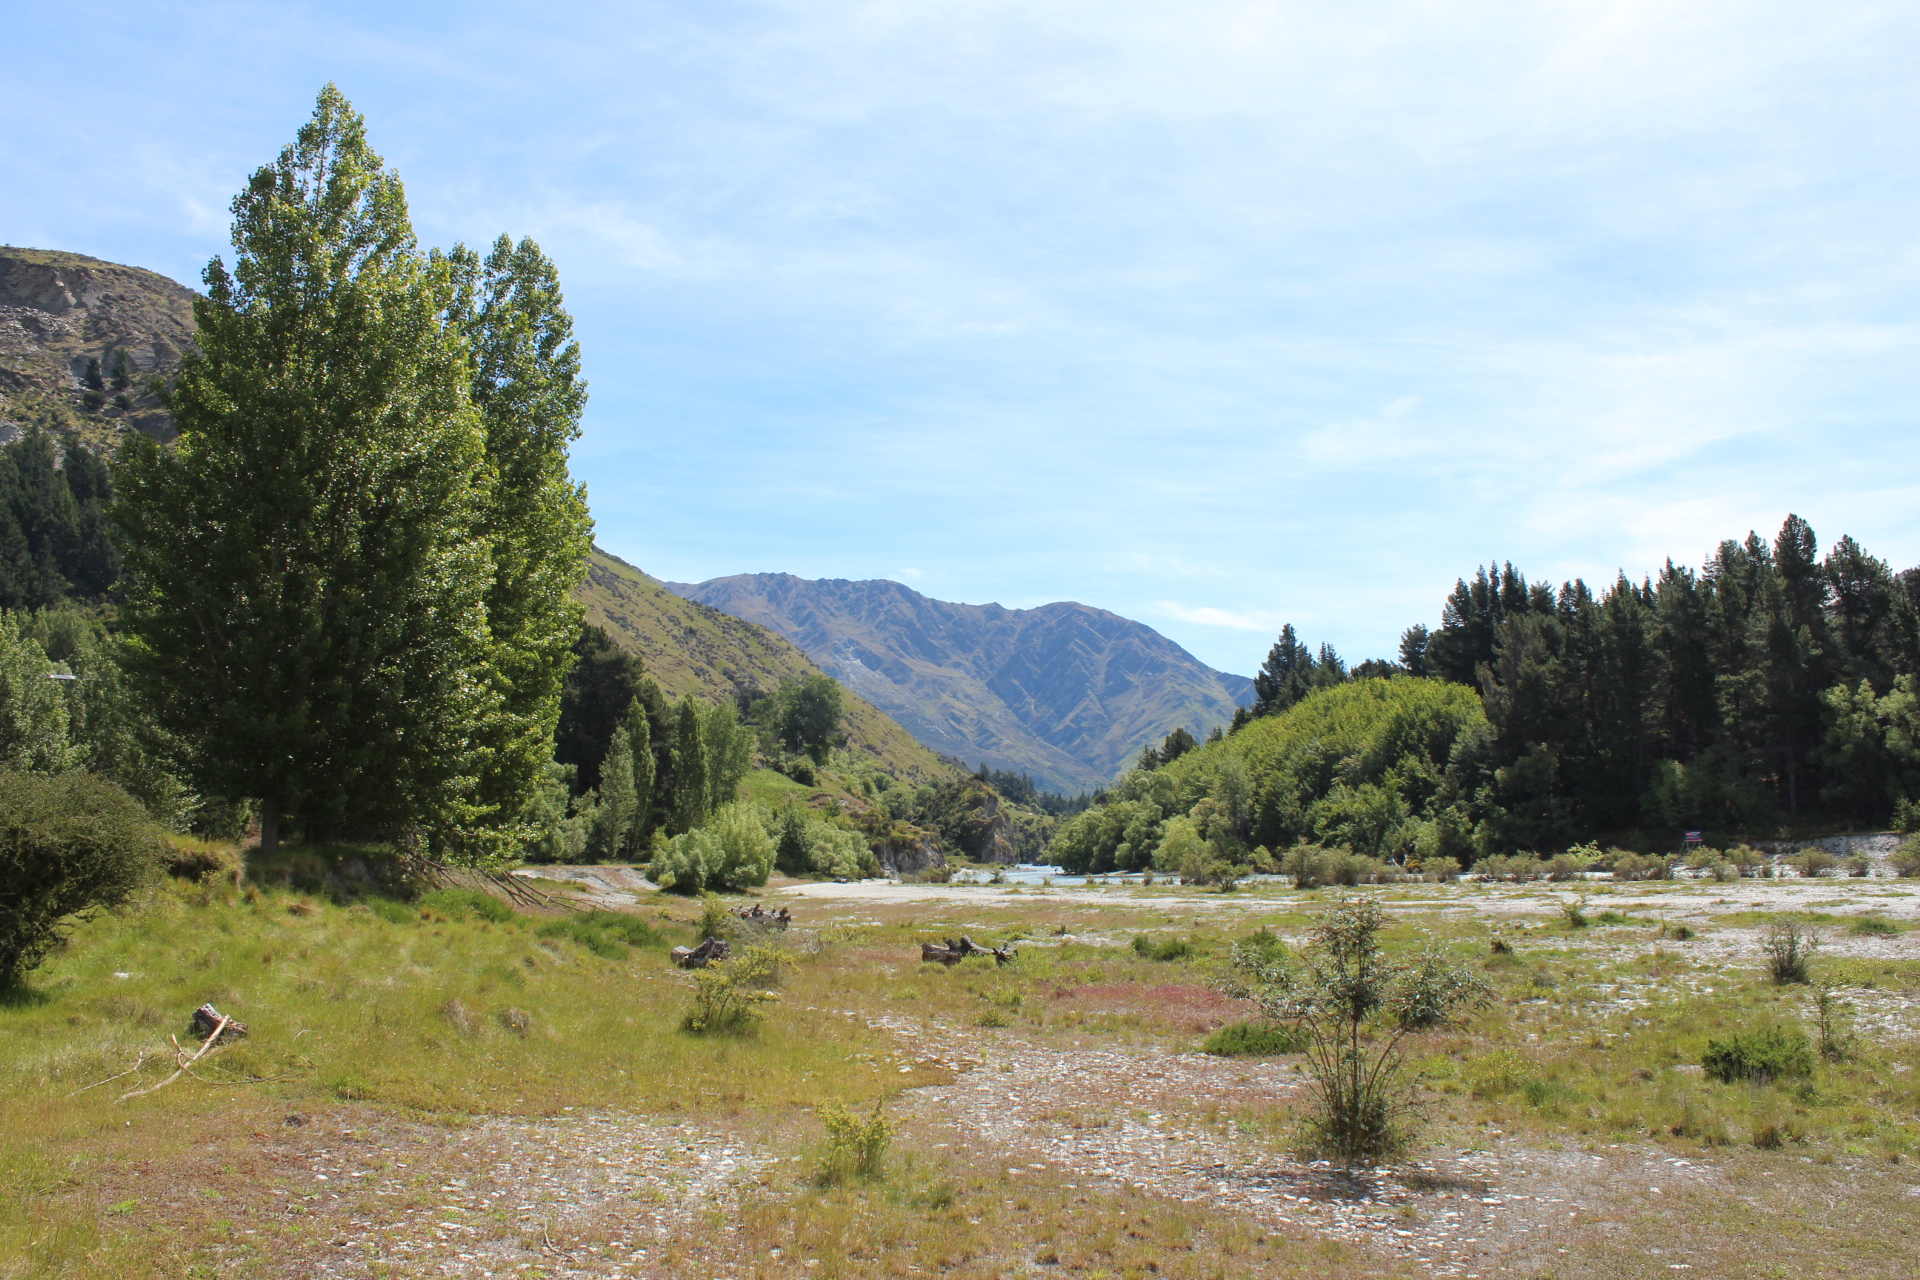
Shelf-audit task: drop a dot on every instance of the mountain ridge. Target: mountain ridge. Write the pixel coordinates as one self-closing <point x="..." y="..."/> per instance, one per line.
<point x="690" y="647"/>
<point x="1066" y="692"/>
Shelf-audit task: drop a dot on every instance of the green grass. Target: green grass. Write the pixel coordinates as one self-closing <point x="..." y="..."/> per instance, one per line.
<point x="450" y="1008"/>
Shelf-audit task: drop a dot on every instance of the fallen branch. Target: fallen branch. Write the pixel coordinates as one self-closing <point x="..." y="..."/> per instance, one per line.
<point x="110" y="1079"/>
<point x="184" y="1063"/>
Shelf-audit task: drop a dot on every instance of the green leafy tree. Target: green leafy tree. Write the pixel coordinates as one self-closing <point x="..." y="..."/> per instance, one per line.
<point x="34" y="716"/>
<point x="691" y="795"/>
<point x="525" y="380"/>
<point x="311" y="564"/>
<point x="615" y="822"/>
<point x="729" y="746"/>
<point x="639" y="734"/>
<point x="1285" y="677"/>
<point x="804" y="717"/>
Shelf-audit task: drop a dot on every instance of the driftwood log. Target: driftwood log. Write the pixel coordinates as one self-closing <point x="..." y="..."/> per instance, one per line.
<point x="208" y="1020"/>
<point x="712" y="951"/>
<point x="953" y="952"/>
<point x="765" y="919"/>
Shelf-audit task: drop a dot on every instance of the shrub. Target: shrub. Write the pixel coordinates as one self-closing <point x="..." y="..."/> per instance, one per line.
<point x="68" y="844"/>
<point x="856" y="1147"/>
<point x="1832" y="1016"/>
<point x="732" y="851"/>
<point x="1575" y="912"/>
<point x="1255" y="1039"/>
<point x="1148" y="947"/>
<point x="1517" y="867"/>
<point x="1356" y="1006"/>
<point x="1788" y="947"/>
<point x="1905" y="859"/>
<point x="1746" y="860"/>
<point x="1771" y="1053"/>
<point x="1628" y="865"/>
<point x="1813" y="862"/>
<point x="1859" y="865"/>
<point x="727" y="996"/>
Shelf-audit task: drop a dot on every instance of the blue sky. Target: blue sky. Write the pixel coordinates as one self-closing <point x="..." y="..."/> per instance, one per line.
<point x="1215" y="315"/>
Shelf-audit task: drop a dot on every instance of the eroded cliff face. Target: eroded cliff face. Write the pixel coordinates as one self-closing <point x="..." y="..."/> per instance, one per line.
<point x="58" y="311"/>
<point x="1065" y="692"/>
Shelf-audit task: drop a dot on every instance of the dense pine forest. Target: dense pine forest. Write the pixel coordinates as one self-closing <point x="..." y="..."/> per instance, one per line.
<point x="1772" y="692"/>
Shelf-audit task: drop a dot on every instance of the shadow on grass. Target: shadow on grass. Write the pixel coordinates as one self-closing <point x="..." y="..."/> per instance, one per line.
<point x="23" y="996"/>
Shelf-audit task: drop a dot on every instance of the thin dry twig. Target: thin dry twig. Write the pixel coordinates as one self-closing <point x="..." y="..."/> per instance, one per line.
<point x="184" y="1063"/>
<point x="110" y="1079"/>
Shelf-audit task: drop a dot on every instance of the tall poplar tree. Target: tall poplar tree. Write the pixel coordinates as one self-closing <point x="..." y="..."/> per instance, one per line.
<point x="691" y="795"/>
<point x="525" y="380"/>
<point x="310" y="566"/>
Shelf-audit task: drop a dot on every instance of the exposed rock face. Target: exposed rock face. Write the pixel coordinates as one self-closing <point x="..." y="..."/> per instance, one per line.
<point x="1065" y="692"/>
<point x="60" y="310"/>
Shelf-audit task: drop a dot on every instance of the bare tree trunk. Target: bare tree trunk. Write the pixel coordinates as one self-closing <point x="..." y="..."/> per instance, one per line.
<point x="269" y="828"/>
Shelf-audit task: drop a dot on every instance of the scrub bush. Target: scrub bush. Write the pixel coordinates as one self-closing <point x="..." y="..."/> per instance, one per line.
<point x="69" y="844"/>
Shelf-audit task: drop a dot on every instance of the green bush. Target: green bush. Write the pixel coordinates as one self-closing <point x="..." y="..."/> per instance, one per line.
<point x="68" y="844"/>
<point x="1905" y="859"/>
<point x="727" y="996"/>
<point x="1788" y="947"/>
<point x="1771" y="1053"/>
<point x="732" y="851"/>
<point x="1256" y="1039"/>
<point x="1813" y="862"/>
<point x="856" y="1147"/>
<point x="1150" y="948"/>
<point x="608" y="934"/>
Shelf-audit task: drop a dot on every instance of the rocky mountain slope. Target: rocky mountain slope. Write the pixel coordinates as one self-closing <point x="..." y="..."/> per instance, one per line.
<point x="692" y="648"/>
<point x="60" y="310"/>
<point x="1066" y="692"/>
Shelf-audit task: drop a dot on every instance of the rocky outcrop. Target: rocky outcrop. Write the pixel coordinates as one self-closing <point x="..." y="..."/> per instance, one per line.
<point x="59" y="312"/>
<point x="1065" y="692"/>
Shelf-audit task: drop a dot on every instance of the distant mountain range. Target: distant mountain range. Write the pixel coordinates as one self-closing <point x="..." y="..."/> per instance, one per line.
<point x="691" y="648"/>
<point x="1065" y="692"/>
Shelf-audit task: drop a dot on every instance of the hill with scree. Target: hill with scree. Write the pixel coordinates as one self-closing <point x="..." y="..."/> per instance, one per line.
<point x="1064" y="692"/>
<point x="67" y="321"/>
<point x="690" y="647"/>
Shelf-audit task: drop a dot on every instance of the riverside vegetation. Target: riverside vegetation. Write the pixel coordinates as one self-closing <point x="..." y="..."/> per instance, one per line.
<point x="405" y="1037"/>
<point x="358" y="680"/>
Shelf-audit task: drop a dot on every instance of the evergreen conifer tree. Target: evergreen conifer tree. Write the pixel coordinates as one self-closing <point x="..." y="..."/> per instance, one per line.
<point x="1285" y="677"/>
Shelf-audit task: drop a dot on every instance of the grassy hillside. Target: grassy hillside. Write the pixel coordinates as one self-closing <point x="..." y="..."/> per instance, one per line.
<point x="691" y="648"/>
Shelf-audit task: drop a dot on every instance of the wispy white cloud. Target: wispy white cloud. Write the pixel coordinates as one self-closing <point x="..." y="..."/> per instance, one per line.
<point x="1208" y="616"/>
<point x="1301" y="309"/>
